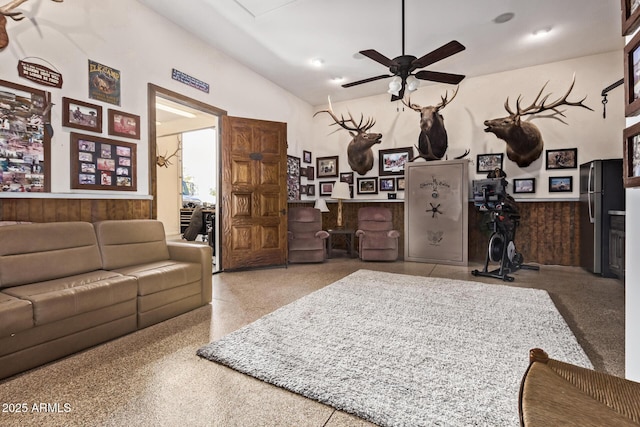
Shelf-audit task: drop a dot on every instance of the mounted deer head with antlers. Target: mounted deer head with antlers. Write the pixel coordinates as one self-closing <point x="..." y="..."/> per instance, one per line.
<point x="359" y="152"/>
<point x="524" y="141"/>
<point x="433" y="141"/>
<point x="164" y="161"/>
<point x="7" y="10"/>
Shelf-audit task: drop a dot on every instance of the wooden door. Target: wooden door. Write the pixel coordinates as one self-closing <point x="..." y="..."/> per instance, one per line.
<point x="254" y="193"/>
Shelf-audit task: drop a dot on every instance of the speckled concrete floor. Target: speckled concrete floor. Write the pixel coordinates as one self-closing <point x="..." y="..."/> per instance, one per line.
<point x="153" y="377"/>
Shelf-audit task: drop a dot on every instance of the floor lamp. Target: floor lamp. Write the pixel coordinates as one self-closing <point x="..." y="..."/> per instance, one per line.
<point x="340" y="192"/>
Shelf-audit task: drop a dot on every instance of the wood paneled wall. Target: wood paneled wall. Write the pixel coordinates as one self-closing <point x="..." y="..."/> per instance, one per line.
<point x="57" y="210"/>
<point x="548" y="233"/>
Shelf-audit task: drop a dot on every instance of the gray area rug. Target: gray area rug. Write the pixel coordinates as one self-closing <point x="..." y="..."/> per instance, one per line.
<point x="401" y="350"/>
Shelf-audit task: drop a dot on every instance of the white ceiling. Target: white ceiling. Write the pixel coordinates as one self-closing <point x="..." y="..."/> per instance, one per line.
<point x="279" y="38"/>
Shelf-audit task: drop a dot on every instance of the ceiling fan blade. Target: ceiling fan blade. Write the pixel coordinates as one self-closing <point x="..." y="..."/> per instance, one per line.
<point x="370" y="79"/>
<point x="439" y="54"/>
<point x="378" y="57"/>
<point x="435" y="76"/>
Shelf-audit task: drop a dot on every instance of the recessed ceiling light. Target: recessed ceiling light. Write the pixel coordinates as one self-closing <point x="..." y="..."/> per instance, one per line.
<point x="337" y="79"/>
<point x="505" y="17"/>
<point x="317" y="62"/>
<point x="542" y="32"/>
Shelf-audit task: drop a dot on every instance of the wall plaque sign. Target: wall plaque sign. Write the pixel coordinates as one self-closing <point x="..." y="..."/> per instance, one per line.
<point x="39" y="74"/>
<point x="189" y="81"/>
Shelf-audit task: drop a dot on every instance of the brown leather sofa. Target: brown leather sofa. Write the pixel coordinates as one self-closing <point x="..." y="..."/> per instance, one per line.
<point x="67" y="286"/>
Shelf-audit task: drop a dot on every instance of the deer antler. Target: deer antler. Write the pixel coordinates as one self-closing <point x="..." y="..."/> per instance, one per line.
<point x="342" y="122"/>
<point x="444" y="103"/>
<point x="538" y="105"/>
<point x="5" y="11"/>
<point x="163" y="161"/>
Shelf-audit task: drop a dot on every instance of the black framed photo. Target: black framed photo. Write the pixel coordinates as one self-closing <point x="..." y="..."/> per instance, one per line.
<point x="630" y="16"/>
<point x="326" y="187"/>
<point x="81" y="115"/>
<point x="387" y="184"/>
<point x="560" y="184"/>
<point x="311" y="189"/>
<point x="367" y="186"/>
<point x="346" y="177"/>
<point x="400" y="183"/>
<point x="631" y="155"/>
<point x="306" y="156"/>
<point x="632" y="77"/>
<point x="311" y="173"/>
<point x="327" y="166"/>
<point x="392" y="161"/>
<point x="524" y="185"/>
<point x="562" y="159"/>
<point x="489" y="162"/>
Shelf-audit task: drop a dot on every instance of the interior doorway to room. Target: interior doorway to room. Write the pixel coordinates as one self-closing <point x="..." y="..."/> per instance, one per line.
<point x="185" y="146"/>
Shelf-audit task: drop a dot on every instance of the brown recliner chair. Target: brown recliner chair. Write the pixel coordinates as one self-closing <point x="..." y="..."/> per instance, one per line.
<point x="307" y="239"/>
<point x="378" y="241"/>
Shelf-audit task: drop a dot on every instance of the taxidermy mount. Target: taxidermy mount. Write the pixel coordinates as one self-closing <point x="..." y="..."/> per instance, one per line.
<point x="7" y="10"/>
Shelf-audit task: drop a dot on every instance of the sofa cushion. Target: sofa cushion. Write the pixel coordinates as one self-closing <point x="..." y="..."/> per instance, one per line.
<point x="125" y="243"/>
<point x="162" y="275"/>
<point x="16" y="315"/>
<point x="62" y="298"/>
<point x="32" y="253"/>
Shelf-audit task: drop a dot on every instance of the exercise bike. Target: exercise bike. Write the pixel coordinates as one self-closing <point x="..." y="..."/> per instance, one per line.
<point x="490" y="196"/>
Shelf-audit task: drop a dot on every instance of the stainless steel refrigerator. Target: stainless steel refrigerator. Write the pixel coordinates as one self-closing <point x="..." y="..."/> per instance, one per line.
<point x="601" y="190"/>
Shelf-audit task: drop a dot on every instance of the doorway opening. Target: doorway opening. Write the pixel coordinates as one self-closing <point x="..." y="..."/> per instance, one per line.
<point x="184" y="146"/>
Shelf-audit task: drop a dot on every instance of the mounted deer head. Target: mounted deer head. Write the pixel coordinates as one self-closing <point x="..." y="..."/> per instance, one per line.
<point x="433" y="141"/>
<point x="524" y="141"/>
<point x="5" y="11"/>
<point x="359" y="153"/>
<point x="163" y="161"/>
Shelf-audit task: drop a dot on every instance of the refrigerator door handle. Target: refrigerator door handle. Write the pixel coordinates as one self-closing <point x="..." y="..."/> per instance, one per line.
<point x="590" y="201"/>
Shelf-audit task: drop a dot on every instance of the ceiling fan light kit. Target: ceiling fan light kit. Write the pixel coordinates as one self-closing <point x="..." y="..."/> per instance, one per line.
<point x="402" y="67"/>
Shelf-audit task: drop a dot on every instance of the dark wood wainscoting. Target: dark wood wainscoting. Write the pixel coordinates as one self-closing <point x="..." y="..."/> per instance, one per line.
<point x="57" y="210"/>
<point x="548" y="233"/>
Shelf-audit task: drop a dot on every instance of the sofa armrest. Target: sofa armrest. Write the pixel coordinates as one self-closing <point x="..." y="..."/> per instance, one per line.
<point x="393" y="234"/>
<point x="322" y="234"/>
<point x="196" y="253"/>
<point x="359" y="233"/>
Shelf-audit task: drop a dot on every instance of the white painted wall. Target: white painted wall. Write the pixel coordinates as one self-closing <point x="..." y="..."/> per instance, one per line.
<point x="482" y="98"/>
<point x="144" y="47"/>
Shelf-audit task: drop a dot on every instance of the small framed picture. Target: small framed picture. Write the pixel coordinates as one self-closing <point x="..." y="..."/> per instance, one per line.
<point x="391" y="162"/>
<point x="326" y="187"/>
<point x="311" y="189"/>
<point x="387" y="184"/>
<point x="489" y="162"/>
<point x="400" y="183"/>
<point x="631" y="154"/>
<point x="124" y="124"/>
<point x="524" y="185"/>
<point x="81" y="115"/>
<point x="346" y="177"/>
<point x="306" y="156"/>
<point x="367" y="186"/>
<point x="303" y="189"/>
<point x="311" y="173"/>
<point x="327" y="166"/>
<point x="632" y="77"/>
<point x="630" y="16"/>
<point x="560" y="184"/>
<point x="562" y="159"/>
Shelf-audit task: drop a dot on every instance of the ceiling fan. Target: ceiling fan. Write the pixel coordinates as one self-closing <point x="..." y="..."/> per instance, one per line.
<point x="402" y="67"/>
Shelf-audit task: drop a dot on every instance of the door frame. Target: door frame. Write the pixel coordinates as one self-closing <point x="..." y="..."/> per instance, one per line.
<point x="154" y="91"/>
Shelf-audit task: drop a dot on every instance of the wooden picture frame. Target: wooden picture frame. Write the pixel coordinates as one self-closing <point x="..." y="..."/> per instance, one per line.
<point x="102" y="164"/>
<point x="631" y="156"/>
<point x="124" y="124"/>
<point x="630" y="16"/>
<point x="486" y="163"/>
<point x="632" y="77"/>
<point x="524" y="185"/>
<point x="387" y="184"/>
<point x="367" y="186"/>
<point x="346" y="177"/>
<point x="325" y="188"/>
<point x="293" y="178"/>
<point x="311" y="173"/>
<point x="393" y="161"/>
<point x="25" y="139"/>
<point x="311" y="189"/>
<point x="560" y="184"/>
<point x="306" y="156"/>
<point x="81" y="115"/>
<point x="400" y="183"/>
<point x="561" y="159"/>
<point x="327" y="166"/>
